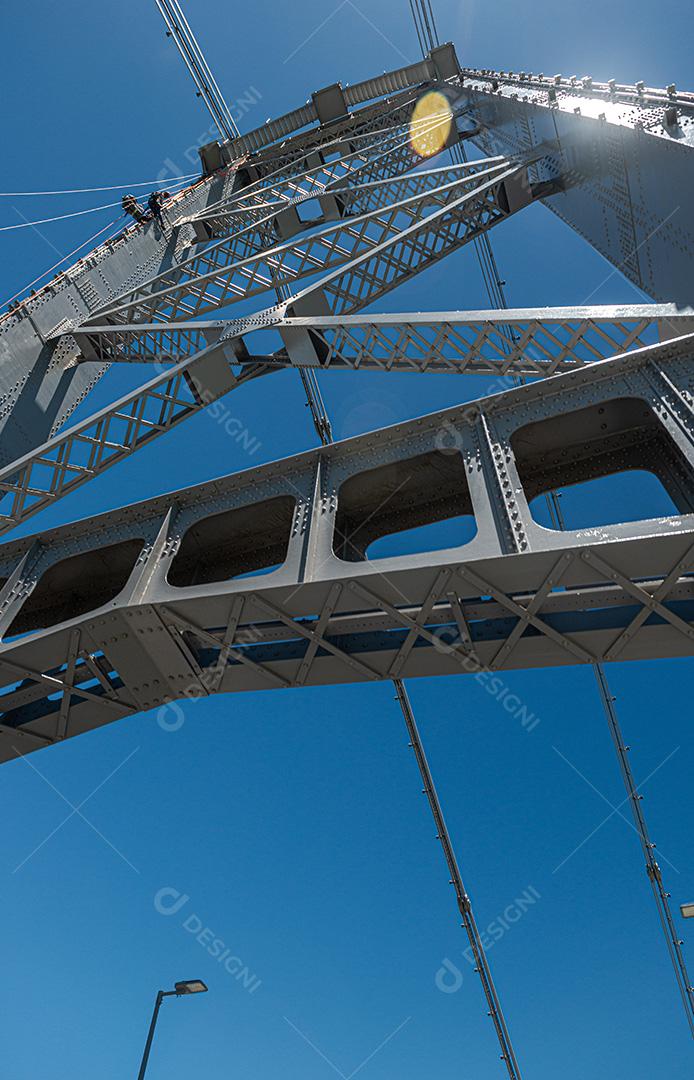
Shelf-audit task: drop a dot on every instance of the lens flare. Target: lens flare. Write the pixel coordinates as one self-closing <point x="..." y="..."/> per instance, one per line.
<point x="430" y="125"/>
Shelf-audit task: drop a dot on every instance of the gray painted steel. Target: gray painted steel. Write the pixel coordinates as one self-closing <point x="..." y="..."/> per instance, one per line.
<point x="626" y="155"/>
<point x="153" y="602"/>
<point x="263" y="579"/>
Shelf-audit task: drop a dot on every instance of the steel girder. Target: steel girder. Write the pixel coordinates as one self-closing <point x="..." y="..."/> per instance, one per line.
<point x="441" y="65"/>
<point x="533" y="342"/>
<point x="381" y="157"/>
<point x="154" y="602"/>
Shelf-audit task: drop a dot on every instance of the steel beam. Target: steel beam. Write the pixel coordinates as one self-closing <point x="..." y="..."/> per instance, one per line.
<point x="161" y="595"/>
<point x="629" y="152"/>
<point x="86" y="450"/>
<point x="520" y="341"/>
<point x="215" y="278"/>
<point x="377" y="157"/>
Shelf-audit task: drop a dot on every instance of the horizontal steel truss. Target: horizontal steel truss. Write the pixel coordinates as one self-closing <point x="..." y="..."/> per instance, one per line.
<point x="522" y="341"/>
<point x="213" y="358"/>
<point x="215" y="278"/>
<point x="517" y="595"/>
<point x="536" y="342"/>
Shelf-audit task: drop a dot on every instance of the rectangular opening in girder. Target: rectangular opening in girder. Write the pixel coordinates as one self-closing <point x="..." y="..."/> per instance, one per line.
<point x="76" y="585"/>
<point x="413" y="505"/>
<point x="243" y="541"/>
<point x="614" y="461"/>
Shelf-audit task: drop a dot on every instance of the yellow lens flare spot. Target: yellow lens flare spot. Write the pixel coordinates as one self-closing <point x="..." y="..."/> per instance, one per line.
<point x="430" y="125"/>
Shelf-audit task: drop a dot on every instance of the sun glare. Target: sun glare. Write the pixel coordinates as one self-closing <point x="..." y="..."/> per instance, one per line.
<point x="430" y="125"/>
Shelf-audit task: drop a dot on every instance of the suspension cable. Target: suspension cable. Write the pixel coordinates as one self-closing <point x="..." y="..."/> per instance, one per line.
<point x="179" y="30"/>
<point x="655" y="877"/>
<point x="86" y="190"/>
<point x="661" y="897"/>
<point x="63" y="217"/>
<point x="427" y="35"/>
<point x="74" y="251"/>
<point x="58" y="217"/>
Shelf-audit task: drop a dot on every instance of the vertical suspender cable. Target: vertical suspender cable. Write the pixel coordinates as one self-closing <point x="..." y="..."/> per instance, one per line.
<point x="464" y="905"/>
<point x="428" y="39"/>
<point x="661" y="897"/>
<point x="655" y="877"/>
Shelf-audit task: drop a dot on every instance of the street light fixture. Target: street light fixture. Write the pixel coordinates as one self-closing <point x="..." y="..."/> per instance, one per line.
<point x="187" y="986"/>
<point x="190" y="986"/>
<point x="687" y="911"/>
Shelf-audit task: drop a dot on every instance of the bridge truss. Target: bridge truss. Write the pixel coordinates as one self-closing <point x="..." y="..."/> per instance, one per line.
<point x="311" y="220"/>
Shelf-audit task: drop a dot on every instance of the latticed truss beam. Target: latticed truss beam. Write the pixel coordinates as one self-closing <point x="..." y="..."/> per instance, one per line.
<point x="536" y="342"/>
<point x="214" y="278"/>
<point x="530" y="341"/>
<point x="164" y="607"/>
<point x="87" y="449"/>
<point x="379" y="158"/>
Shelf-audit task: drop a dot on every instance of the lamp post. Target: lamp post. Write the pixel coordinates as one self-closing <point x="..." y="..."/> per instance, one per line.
<point x="189" y="986"/>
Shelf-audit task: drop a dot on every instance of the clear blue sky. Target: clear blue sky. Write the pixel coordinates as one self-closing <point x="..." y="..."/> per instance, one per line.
<point x="292" y="825"/>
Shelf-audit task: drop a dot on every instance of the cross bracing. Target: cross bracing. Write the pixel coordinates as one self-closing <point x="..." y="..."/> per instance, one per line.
<point x="546" y="340"/>
<point x="383" y="157"/>
<point x="175" y="569"/>
<point x="215" y="278"/>
<point x="330" y="208"/>
<point x="211" y="359"/>
<point x="378" y="218"/>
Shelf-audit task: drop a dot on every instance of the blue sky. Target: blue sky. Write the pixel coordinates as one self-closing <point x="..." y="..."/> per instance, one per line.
<point x="291" y="828"/>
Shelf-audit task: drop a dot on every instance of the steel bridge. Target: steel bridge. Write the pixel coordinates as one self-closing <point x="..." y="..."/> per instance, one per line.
<point x="332" y="203"/>
<point x="263" y="579"/>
